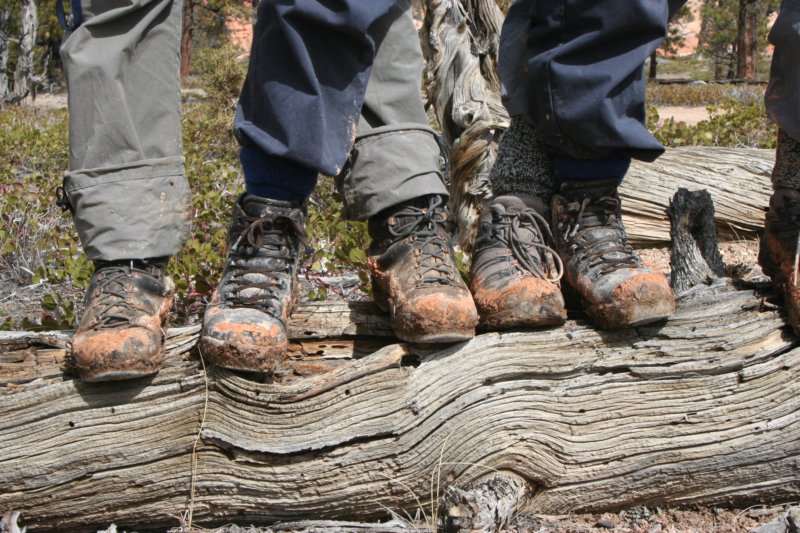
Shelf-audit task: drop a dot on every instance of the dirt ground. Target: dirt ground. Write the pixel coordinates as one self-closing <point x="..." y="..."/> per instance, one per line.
<point x="689" y="115"/>
<point x="654" y="520"/>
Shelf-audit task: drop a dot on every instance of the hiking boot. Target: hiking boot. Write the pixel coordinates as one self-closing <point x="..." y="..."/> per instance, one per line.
<point x="244" y="327"/>
<point x="414" y="274"/>
<point x="617" y="289"/>
<point x="778" y="253"/>
<point x="515" y="273"/>
<point x="120" y="335"/>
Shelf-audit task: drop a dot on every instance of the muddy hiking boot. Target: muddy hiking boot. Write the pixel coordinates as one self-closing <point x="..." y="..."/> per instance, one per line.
<point x="120" y="335"/>
<point x="515" y="272"/>
<point x="414" y="274"/>
<point x="617" y="289"/>
<point x="780" y="246"/>
<point x="244" y="327"/>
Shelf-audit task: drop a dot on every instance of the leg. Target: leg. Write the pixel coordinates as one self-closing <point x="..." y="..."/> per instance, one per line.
<point x="126" y="184"/>
<point x="395" y="178"/>
<point x="287" y="137"/>
<point x="779" y="245"/>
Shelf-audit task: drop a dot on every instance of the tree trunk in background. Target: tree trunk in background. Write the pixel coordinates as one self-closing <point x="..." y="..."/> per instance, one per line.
<point x="747" y="46"/>
<point x="5" y="15"/>
<point x="22" y="74"/>
<point x="653" y="66"/>
<point x="186" y="37"/>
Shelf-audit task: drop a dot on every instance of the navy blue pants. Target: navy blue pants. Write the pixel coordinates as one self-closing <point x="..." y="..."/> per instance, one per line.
<point x="309" y="66"/>
<point x="334" y="85"/>
<point x="574" y="70"/>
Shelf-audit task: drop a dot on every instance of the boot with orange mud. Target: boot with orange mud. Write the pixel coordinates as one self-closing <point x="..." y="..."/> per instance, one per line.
<point x="120" y="335"/>
<point x="414" y="274"/>
<point x="244" y="327"/>
<point x="515" y="272"/>
<point x="617" y="289"/>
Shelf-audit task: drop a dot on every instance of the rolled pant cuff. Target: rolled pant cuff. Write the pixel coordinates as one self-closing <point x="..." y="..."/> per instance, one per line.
<point x="389" y="165"/>
<point x="132" y="211"/>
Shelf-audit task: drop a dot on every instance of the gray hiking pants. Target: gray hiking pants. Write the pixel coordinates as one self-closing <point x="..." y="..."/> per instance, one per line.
<point x="127" y="184"/>
<point x="783" y="92"/>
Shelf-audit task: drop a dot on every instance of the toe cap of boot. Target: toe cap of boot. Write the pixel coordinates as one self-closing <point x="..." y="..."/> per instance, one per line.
<point x="640" y="299"/>
<point x="117" y="353"/>
<point x="243" y="339"/>
<point x="435" y="316"/>
<point x="527" y="302"/>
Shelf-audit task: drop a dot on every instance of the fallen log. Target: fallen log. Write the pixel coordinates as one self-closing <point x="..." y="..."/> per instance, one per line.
<point x="701" y="409"/>
<point x="736" y="178"/>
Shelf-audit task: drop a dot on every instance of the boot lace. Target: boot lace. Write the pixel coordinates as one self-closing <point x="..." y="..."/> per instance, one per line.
<point x="609" y="250"/>
<point x="262" y="259"/>
<point x="112" y="302"/>
<point x="525" y="233"/>
<point x="424" y="228"/>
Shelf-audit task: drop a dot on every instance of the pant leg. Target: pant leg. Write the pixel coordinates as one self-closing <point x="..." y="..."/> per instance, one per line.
<point x="126" y="183"/>
<point x="574" y="70"/>
<point x="309" y="65"/>
<point x="783" y="92"/>
<point x="396" y="155"/>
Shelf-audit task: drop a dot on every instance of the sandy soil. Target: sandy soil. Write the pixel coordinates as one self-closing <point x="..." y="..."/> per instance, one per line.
<point x="689" y="115"/>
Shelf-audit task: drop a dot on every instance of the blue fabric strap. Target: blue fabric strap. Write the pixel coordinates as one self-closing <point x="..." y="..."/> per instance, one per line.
<point x="77" y="15"/>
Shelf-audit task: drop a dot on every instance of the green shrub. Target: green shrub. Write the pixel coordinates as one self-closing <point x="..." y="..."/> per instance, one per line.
<point x="37" y="241"/>
<point x="729" y="124"/>
<point x="703" y="94"/>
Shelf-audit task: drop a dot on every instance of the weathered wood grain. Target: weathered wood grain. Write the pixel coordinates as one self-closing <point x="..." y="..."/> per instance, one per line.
<point x="703" y="408"/>
<point x="737" y="179"/>
<point x="694" y="255"/>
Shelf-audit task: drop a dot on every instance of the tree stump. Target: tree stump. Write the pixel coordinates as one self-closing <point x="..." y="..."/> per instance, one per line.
<point x="695" y="256"/>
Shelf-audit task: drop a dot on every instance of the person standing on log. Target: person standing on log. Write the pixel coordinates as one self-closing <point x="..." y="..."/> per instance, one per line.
<point x="333" y="88"/>
<point x="572" y="80"/>
<point x="780" y="244"/>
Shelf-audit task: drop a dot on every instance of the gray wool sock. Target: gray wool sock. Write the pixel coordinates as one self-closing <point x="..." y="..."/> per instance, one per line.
<point x="786" y="173"/>
<point x="522" y="165"/>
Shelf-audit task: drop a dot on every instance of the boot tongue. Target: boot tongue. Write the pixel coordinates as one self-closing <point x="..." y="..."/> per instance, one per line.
<point x="256" y="206"/>
<point x="577" y="190"/>
<point x="423" y="203"/>
<point x="514" y="205"/>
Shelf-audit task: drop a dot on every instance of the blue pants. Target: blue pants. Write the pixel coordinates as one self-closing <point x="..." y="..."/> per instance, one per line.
<point x="335" y="86"/>
<point x="783" y="93"/>
<point x="574" y="70"/>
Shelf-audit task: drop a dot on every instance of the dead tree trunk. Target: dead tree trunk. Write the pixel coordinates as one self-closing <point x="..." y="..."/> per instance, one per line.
<point x="738" y="180"/>
<point x="461" y="47"/>
<point x="29" y="24"/>
<point x="5" y="16"/>
<point x="704" y="408"/>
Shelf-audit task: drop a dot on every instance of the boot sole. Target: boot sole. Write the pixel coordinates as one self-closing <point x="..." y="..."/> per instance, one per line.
<point x="608" y="318"/>
<point x="224" y="355"/>
<point x="449" y="337"/>
<point x="116" y="375"/>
